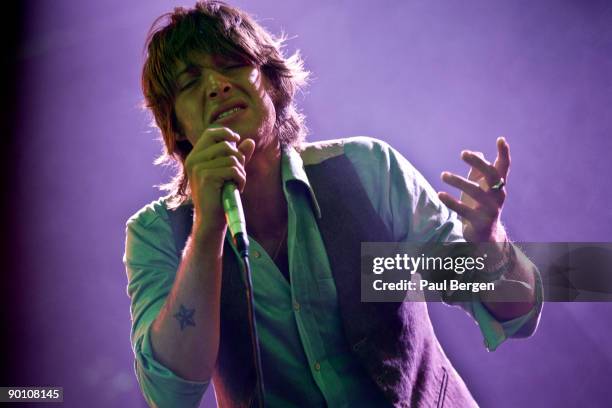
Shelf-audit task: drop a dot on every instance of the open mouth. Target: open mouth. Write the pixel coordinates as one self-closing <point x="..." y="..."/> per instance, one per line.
<point x="228" y="113"/>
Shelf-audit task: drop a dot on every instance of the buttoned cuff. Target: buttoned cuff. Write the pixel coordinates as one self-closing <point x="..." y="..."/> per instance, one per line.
<point x="496" y="332"/>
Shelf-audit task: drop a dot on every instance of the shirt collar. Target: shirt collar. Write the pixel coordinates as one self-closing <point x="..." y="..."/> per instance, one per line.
<point x="292" y="170"/>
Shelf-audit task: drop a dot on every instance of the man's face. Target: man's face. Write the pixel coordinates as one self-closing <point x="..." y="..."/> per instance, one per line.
<point x="216" y="90"/>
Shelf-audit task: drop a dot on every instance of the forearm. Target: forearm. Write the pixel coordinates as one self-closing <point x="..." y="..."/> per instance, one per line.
<point x="185" y="334"/>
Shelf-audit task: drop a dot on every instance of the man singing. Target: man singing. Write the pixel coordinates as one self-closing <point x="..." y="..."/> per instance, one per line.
<point x="221" y="92"/>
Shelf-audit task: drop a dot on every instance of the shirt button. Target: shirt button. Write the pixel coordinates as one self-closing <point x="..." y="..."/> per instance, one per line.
<point x="256" y="254"/>
<point x="317" y="366"/>
<point x="296" y="306"/>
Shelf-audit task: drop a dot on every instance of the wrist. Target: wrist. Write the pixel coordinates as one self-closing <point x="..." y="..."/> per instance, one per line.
<point x="206" y="233"/>
<point x="501" y="258"/>
<point x="498" y="234"/>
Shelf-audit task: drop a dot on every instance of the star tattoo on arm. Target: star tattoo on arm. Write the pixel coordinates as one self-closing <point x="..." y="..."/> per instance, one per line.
<point x="185" y="317"/>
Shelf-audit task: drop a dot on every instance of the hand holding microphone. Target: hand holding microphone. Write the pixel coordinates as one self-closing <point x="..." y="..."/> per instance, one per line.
<point x="214" y="162"/>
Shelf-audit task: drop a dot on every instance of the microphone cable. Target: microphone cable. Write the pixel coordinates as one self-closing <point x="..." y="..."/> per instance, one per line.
<point x="246" y="268"/>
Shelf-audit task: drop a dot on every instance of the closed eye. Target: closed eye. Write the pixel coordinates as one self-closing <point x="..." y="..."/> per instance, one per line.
<point x="188" y="77"/>
<point x="187" y="85"/>
<point x="234" y="66"/>
<point x="232" y="63"/>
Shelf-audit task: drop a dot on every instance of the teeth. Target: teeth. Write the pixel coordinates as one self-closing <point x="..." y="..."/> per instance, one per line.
<point x="228" y="112"/>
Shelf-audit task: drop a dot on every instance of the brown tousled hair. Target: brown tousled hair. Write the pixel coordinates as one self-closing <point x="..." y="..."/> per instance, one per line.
<point x="217" y="29"/>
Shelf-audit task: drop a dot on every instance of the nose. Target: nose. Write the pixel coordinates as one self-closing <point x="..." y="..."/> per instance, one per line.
<point x="219" y="85"/>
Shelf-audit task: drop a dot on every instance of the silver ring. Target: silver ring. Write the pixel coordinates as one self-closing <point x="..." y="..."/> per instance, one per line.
<point x="499" y="185"/>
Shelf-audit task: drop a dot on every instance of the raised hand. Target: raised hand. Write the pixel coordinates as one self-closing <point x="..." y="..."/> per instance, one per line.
<point x="482" y="194"/>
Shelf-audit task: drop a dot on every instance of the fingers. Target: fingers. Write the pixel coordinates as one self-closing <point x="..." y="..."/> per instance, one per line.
<point x="490" y="203"/>
<point x="215" y="134"/>
<point x="215" y="142"/>
<point x="474" y="174"/>
<point x="479" y="163"/>
<point x="247" y="148"/>
<point x="216" y="177"/>
<point x="226" y="161"/>
<point x="220" y="149"/>
<point x="460" y="208"/>
<point x="215" y="159"/>
<point x="502" y="162"/>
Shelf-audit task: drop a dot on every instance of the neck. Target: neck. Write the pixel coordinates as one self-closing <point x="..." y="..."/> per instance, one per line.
<point x="264" y="201"/>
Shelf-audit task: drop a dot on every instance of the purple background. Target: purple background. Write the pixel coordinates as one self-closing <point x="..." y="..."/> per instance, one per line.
<point x="430" y="78"/>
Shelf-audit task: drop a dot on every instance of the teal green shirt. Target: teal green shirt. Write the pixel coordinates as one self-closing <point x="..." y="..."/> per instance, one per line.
<point x="306" y="358"/>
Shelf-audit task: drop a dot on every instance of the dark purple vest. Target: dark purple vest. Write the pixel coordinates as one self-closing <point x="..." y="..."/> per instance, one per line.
<point x="395" y="342"/>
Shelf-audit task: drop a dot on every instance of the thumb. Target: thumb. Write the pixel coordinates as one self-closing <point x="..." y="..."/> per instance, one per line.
<point x="247" y="147"/>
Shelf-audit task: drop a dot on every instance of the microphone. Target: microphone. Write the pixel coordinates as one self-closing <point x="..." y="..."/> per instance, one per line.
<point x="234" y="215"/>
